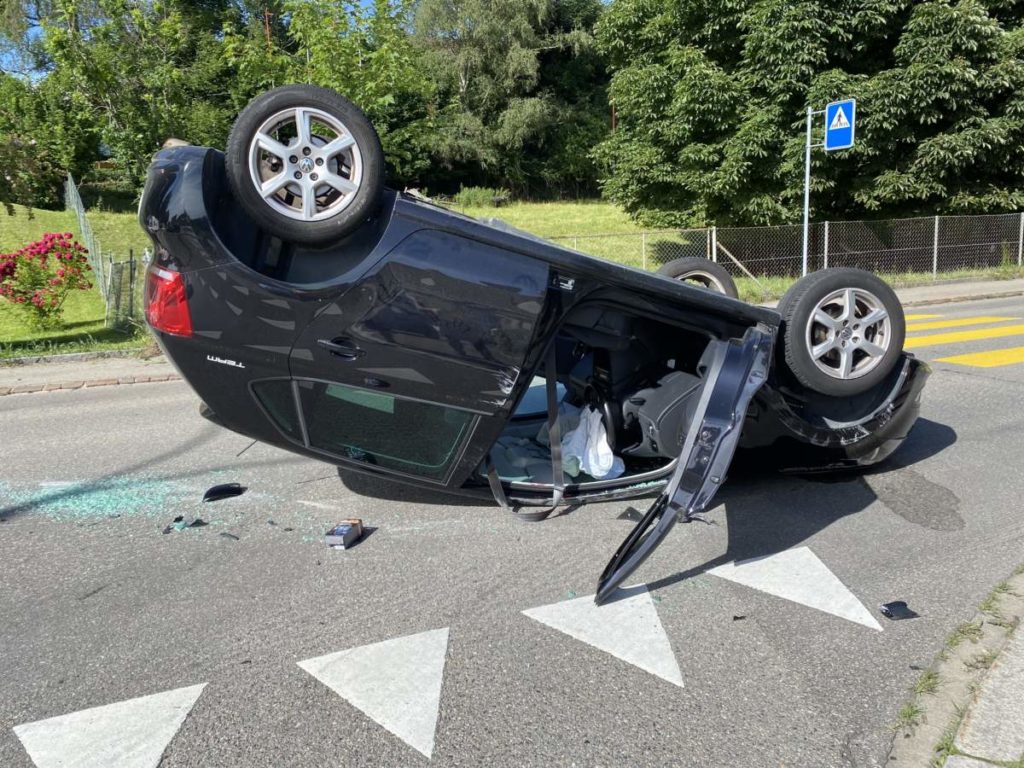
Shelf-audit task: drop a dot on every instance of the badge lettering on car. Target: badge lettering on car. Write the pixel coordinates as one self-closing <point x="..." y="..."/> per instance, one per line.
<point x="222" y="361"/>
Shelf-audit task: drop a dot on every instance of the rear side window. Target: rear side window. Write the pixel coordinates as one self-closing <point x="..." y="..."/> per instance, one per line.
<point x="375" y="428"/>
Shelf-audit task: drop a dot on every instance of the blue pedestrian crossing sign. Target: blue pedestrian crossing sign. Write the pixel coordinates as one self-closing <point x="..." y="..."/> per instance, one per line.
<point x="839" y="121"/>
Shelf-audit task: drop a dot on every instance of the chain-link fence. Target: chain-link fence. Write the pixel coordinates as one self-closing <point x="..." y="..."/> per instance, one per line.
<point x="905" y="250"/>
<point x="73" y="202"/>
<point x="118" y="281"/>
<point x="124" y="300"/>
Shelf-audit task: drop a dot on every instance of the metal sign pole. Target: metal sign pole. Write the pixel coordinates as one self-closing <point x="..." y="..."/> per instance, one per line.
<point x="840" y="119"/>
<point x="807" y="188"/>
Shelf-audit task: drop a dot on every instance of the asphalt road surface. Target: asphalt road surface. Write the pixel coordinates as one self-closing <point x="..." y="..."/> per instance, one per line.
<point x="456" y="635"/>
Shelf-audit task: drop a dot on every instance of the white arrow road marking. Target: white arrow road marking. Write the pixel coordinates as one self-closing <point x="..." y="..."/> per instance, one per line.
<point x="129" y="734"/>
<point x="628" y="629"/>
<point x="396" y="682"/>
<point x="798" y="575"/>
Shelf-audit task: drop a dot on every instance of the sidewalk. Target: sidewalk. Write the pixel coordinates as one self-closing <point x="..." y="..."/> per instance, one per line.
<point x="967" y="709"/>
<point x="942" y="293"/>
<point x="992" y="729"/>
<point x="75" y="374"/>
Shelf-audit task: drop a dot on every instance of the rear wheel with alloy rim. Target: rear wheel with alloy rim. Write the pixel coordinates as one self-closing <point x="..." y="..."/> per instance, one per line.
<point x="306" y="164"/>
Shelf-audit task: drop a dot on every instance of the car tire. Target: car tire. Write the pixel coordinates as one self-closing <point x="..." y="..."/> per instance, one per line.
<point x="703" y="273"/>
<point x="306" y="164"/>
<point x="832" y="349"/>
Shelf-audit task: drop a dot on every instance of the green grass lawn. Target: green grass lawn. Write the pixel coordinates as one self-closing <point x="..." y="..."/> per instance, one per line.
<point x="561" y="219"/>
<point x="117" y="232"/>
<point x="21" y="229"/>
<point x="83" y="330"/>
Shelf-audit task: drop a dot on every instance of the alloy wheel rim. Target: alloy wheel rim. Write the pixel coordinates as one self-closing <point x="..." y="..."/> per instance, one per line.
<point x="848" y="333"/>
<point x="703" y="279"/>
<point x="311" y="175"/>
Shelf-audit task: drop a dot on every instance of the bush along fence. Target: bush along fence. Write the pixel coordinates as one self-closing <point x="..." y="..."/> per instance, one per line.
<point x="119" y="281"/>
<point x="906" y="251"/>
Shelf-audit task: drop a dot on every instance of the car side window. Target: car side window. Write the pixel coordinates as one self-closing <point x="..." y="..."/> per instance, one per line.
<point x="278" y="402"/>
<point x="407" y="436"/>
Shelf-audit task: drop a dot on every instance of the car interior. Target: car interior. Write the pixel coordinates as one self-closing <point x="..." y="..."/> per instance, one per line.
<point x="641" y="375"/>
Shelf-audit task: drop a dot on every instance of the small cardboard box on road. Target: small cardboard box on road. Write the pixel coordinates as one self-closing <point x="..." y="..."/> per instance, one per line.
<point x="345" y="534"/>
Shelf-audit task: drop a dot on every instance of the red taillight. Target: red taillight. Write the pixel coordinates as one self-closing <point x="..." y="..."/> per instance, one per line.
<point x="166" y="302"/>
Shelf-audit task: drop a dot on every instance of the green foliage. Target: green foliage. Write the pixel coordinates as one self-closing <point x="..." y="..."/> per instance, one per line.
<point x="29" y="172"/>
<point x="148" y="71"/>
<point x="908" y="716"/>
<point x="481" y="197"/>
<point x="520" y="92"/>
<point x="106" y="189"/>
<point x="927" y="683"/>
<point x="364" y="53"/>
<point x="38" y="278"/>
<point x="463" y="92"/>
<point x="711" y="100"/>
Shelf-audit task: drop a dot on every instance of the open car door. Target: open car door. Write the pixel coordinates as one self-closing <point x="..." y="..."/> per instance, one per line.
<point x="737" y="369"/>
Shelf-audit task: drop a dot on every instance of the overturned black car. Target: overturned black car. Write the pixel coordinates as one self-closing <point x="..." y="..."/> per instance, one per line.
<point x="311" y="308"/>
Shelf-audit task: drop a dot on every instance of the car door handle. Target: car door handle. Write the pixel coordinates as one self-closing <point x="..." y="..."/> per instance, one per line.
<point x="344" y="348"/>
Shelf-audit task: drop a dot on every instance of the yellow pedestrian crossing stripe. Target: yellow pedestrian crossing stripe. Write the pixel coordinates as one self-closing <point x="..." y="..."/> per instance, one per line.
<point x="959" y="323"/>
<point x="991" y="359"/>
<point x="955" y="337"/>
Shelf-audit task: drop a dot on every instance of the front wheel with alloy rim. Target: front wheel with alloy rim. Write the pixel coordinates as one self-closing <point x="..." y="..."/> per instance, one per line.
<point x="842" y="331"/>
<point x="701" y="272"/>
<point x="306" y="164"/>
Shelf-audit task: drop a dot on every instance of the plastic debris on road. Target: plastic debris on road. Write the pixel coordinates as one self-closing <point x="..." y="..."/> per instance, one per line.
<point x="180" y="524"/>
<point x="223" y="491"/>
<point x="898" y="609"/>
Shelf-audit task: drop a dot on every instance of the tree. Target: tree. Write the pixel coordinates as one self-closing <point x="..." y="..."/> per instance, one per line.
<point x="147" y="71"/>
<point x="521" y="90"/>
<point x="364" y="53"/>
<point x="29" y="173"/>
<point x="711" y="101"/>
<point x="501" y="92"/>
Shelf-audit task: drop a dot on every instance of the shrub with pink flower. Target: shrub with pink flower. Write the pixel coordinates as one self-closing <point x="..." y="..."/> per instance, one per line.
<point x="38" y="277"/>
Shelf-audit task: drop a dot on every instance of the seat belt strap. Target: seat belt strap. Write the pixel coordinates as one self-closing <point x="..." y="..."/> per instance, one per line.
<point x="495" y="482"/>
<point x="554" y="431"/>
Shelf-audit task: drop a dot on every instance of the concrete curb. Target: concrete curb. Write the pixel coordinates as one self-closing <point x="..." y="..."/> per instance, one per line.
<point x="70" y="357"/>
<point x="955" y="299"/>
<point x="27" y="389"/>
<point x="929" y="301"/>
